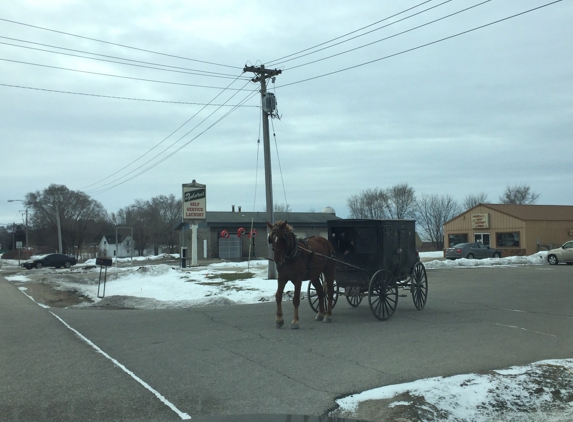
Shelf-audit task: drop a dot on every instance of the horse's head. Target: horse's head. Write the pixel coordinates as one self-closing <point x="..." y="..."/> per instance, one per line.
<point x="283" y="240"/>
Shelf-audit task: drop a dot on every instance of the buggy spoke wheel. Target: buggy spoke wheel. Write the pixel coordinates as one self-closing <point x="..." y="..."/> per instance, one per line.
<point x="354" y="296"/>
<point x="313" y="295"/>
<point x="419" y="286"/>
<point x="383" y="295"/>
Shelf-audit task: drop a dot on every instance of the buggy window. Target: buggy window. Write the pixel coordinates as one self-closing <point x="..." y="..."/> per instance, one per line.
<point x="343" y="239"/>
<point x="348" y="240"/>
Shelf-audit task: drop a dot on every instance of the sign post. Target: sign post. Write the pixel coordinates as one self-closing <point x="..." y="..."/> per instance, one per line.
<point x="19" y="247"/>
<point x="194" y="209"/>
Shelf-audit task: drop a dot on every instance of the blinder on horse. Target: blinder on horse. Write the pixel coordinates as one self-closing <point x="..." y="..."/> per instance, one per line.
<point x="289" y="243"/>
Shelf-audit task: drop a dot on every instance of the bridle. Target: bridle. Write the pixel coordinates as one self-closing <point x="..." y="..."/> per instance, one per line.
<point x="288" y="237"/>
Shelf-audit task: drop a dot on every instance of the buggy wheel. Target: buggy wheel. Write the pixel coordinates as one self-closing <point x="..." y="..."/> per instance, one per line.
<point x="354" y="296"/>
<point x="313" y="295"/>
<point x="419" y="287"/>
<point x="383" y="295"/>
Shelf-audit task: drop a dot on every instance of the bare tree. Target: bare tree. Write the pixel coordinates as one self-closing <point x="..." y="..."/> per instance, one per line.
<point x="152" y="222"/>
<point x="522" y="195"/>
<point x="471" y="201"/>
<point x="282" y="208"/>
<point x="400" y="201"/>
<point x="370" y="203"/>
<point x="137" y="217"/>
<point x="432" y="212"/>
<point x="59" y="210"/>
<point x="166" y="212"/>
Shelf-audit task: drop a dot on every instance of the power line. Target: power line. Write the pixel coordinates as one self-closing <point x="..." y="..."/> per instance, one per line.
<point x="122" y="98"/>
<point x="422" y="45"/>
<point x="165" y="139"/>
<point x="164" y="68"/>
<point x="277" y="62"/>
<point x="114" y="76"/>
<point x="395" y="35"/>
<point x="102" y="190"/>
<point x="116" y="44"/>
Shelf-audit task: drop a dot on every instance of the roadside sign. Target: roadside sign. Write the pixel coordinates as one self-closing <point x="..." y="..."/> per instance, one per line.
<point x="194" y="202"/>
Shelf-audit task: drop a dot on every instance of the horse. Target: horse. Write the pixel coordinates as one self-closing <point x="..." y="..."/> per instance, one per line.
<point x="299" y="260"/>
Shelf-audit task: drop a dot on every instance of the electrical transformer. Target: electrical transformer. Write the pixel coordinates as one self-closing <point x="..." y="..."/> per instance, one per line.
<point x="269" y="102"/>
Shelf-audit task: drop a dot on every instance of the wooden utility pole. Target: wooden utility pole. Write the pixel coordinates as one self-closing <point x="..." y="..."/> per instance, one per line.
<point x="261" y="75"/>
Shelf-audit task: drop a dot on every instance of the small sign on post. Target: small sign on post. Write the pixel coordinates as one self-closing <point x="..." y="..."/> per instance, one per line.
<point x="194" y="208"/>
<point x="194" y="202"/>
<point x="102" y="262"/>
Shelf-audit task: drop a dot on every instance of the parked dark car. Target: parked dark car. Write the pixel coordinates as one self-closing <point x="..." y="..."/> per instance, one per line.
<point x="471" y="251"/>
<point x="57" y="260"/>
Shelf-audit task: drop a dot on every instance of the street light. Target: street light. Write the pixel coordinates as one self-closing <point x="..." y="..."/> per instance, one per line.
<point x="20" y="200"/>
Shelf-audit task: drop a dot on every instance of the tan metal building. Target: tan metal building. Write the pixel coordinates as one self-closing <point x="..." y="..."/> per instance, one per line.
<point x="516" y="229"/>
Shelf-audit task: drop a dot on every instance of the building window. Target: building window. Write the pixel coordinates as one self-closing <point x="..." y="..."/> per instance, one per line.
<point x="454" y="239"/>
<point x="482" y="238"/>
<point x="508" y="239"/>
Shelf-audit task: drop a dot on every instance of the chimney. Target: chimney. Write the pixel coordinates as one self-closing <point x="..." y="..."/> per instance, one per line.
<point x="232" y="208"/>
<point x="239" y="208"/>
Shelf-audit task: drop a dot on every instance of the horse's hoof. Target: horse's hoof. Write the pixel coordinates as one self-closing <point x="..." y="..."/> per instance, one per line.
<point x="327" y="319"/>
<point x="280" y="324"/>
<point x="294" y="326"/>
<point x="319" y="317"/>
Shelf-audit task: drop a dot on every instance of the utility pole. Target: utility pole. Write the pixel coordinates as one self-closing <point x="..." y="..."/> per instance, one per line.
<point x="261" y="75"/>
<point x="59" y="228"/>
<point x="24" y="202"/>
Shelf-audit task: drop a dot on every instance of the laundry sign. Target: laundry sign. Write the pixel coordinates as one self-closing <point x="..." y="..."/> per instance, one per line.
<point x="480" y="221"/>
<point x="194" y="201"/>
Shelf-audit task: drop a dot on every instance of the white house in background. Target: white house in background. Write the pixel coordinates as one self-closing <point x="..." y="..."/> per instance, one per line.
<point x="108" y="248"/>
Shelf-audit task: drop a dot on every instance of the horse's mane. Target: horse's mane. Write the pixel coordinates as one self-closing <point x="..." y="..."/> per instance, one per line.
<point x="281" y="222"/>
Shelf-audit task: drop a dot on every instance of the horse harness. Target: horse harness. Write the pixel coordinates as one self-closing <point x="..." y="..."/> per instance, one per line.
<point x="294" y="252"/>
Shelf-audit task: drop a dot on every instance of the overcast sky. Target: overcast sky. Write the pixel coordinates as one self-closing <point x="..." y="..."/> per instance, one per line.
<point x="122" y="100"/>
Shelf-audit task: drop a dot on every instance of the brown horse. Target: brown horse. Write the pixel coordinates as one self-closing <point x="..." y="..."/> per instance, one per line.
<point x="299" y="260"/>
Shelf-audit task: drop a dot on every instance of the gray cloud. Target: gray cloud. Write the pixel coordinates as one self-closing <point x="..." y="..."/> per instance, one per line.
<point x="471" y="114"/>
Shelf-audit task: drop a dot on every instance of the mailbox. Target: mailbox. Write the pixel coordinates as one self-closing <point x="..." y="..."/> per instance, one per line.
<point x="104" y="262"/>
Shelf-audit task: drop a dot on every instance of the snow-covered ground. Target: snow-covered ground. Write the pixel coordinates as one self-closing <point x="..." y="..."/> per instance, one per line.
<point x="231" y="282"/>
<point x="542" y="391"/>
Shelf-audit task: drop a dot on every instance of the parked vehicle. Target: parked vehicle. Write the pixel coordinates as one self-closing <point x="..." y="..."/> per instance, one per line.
<point x="56" y="260"/>
<point x="562" y="254"/>
<point x="472" y="251"/>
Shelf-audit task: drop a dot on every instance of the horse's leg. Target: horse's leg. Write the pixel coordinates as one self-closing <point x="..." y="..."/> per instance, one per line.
<point x="329" y="277"/>
<point x="320" y="293"/>
<point x="296" y="302"/>
<point x="279" y="299"/>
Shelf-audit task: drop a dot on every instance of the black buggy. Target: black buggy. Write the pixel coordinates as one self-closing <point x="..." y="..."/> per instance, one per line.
<point x="375" y="258"/>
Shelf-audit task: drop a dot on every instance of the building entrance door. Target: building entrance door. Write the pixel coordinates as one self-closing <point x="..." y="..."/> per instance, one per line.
<point x="482" y="238"/>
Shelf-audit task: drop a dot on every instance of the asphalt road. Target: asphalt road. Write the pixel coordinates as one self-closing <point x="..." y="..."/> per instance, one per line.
<point x="162" y="365"/>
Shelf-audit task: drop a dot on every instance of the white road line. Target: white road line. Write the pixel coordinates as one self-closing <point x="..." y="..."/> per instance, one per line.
<point x="182" y="415"/>
<point x="32" y="299"/>
<point x="524" y="329"/>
